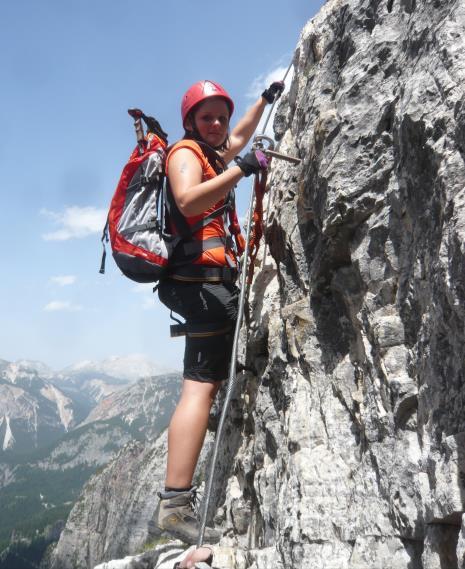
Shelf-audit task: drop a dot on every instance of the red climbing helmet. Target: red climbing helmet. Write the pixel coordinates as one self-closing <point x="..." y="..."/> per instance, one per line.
<point x="199" y="92"/>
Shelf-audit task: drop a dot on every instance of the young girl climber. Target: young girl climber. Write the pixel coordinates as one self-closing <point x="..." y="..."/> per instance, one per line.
<point x="200" y="286"/>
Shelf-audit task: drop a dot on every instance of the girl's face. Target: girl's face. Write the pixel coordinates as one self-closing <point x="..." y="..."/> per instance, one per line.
<point x="212" y="121"/>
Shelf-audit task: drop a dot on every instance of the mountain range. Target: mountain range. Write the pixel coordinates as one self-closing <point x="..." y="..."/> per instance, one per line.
<point x="38" y="405"/>
<point x="58" y="428"/>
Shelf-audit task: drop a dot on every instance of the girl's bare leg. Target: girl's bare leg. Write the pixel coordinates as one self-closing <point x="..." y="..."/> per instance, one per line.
<point x="186" y="432"/>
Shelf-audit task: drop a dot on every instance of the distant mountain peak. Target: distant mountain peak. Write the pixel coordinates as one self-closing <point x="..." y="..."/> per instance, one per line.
<point x="130" y="368"/>
<point x="25" y="369"/>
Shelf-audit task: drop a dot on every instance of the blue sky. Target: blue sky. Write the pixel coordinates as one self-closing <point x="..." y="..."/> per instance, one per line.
<point x="69" y="71"/>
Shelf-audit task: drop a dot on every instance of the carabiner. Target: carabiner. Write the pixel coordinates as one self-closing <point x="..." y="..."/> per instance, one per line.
<point x="258" y="141"/>
<point x="270" y="151"/>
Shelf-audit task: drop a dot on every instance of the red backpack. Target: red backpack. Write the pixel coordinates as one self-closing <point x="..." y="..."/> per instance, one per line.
<point x="136" y="219"/>
<point x="143" y="210"/>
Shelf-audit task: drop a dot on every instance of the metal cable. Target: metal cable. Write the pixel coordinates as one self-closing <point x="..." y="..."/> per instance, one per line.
<point x="269" y="197"/>
<point x="276" y="100"/>
<point x="232" y="380"/>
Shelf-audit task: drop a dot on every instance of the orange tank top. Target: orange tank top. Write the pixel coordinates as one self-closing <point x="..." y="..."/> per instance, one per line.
<point x="216" y="227"/>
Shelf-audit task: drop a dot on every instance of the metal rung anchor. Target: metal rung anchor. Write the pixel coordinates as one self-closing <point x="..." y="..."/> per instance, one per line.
<point x="270" y="151"/>
<point x="280" y="156"/>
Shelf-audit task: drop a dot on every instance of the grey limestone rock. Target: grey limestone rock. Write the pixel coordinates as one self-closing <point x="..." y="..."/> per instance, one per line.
<point x="111" y="518"/>
<point x="352" y="449"/>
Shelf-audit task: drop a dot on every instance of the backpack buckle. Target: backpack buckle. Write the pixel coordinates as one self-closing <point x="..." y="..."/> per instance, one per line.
<point x="177" y="330"/>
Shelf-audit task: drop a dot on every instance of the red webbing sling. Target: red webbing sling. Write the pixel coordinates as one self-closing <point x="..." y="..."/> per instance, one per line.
<point x="256" y="231"/>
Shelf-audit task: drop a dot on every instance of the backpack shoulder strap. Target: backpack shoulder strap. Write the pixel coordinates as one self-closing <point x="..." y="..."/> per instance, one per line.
<point x="173" y="213"/>
<point x="191" y="145"/>
<point x="207" y="156"/>
<point x="216" y="160"/>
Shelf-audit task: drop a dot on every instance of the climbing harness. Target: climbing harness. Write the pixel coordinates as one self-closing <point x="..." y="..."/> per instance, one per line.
<point x="252" y="237"/>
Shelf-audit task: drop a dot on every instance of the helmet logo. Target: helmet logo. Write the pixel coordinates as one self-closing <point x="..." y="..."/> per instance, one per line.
<point x="209" y="88"/>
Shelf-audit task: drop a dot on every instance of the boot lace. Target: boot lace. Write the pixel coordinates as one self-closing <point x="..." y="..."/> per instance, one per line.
<point x="195" y="501"/>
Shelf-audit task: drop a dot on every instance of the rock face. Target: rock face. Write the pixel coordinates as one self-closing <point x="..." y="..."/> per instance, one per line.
<point x="112" y="516"/>
<point x="353" y="440"/>
<point x="346" y="445"/>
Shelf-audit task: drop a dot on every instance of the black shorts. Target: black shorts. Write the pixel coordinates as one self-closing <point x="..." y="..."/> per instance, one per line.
<point x="210" y="312"/>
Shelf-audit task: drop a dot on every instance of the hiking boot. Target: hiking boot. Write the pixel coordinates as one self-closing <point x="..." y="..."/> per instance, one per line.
<point x="177" y="516"/>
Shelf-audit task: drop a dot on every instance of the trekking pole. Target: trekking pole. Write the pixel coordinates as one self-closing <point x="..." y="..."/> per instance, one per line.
<point x="232" y="380"/>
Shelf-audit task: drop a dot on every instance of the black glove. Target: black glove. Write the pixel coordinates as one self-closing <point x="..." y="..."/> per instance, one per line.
<point x="252" y="162"/>
<point x="273" y="92"/>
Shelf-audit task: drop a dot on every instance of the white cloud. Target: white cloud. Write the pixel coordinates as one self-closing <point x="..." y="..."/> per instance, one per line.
<point x="61" y="305"/>
<point x="259" y="84"/>
<point x="150" y="302"/>
<point x="63" y="280"/>
<point x="75" y="222"/>
<point x="149" y="299"/>
<point x="143" y="288"/>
